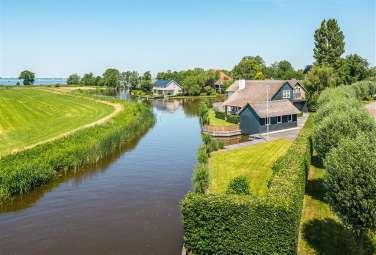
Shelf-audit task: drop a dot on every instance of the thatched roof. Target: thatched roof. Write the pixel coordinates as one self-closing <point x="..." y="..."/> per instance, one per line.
<point x="276" y="108"/>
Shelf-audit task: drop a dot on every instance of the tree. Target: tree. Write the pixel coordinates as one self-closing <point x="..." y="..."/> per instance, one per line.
<point x="282" y="70"/>
<point x="131" y="79"/>
<point x="250" y="68"/>
<point x="73" y="79"/>
<point x="146" y="83"/>
<point x="319" y="78"/>
<point x="329" y="43"/>
<point x="353" y="68"/>
<point x="111" y="78"/>
<point x="88" y="79"/>
<point x="351" y="183"/>
<point x="27" y="76"/>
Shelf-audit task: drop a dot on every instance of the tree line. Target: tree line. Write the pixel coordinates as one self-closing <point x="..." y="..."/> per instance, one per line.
<point x="330" y="69"/>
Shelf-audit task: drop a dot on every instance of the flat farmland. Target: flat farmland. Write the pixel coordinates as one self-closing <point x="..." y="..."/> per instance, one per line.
<point x="30" y="116"/>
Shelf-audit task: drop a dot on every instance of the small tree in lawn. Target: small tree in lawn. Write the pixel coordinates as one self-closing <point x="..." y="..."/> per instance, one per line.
<point x="351" y="183"/>
<point x="27" y="76"/>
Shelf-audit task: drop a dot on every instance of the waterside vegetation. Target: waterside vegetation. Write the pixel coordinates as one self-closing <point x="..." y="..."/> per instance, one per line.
<point x="21" y="172"/>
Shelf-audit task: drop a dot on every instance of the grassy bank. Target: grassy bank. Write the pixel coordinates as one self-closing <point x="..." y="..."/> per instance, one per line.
<point x="254" y="162"/>
<point x="21" y="172"/>
<point x="29" y="116"/>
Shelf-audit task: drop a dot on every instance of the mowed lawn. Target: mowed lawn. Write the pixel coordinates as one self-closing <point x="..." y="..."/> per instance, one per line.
<point x="254" y="161"/>
<point x="29" y="116"/>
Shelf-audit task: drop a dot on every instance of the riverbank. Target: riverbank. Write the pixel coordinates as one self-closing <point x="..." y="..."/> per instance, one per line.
<point x="21" y="172"/>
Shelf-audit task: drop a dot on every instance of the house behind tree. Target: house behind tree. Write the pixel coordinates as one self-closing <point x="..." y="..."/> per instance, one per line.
<point x="166" y="88"/>
<point x="266" y="104"/>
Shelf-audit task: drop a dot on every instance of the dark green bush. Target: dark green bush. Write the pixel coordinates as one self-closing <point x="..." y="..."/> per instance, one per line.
<point x="351" y="181"/>
<point x="232" y="118"/>
<point x="21" y="172"/>
<point x="220" y="115"/>
<point x="232" y="224"/>
<point x="239" y="186"/>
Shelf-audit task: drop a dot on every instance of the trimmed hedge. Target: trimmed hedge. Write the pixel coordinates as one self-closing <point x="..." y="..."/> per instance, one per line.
<point x="242" y="224"/>
<point x="220" y="115"/>
<point x="233" y="118"/>
<point x="21" y="172"/>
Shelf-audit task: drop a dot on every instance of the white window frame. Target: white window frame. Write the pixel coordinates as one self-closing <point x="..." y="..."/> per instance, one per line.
<point x="280" y="119"/>
<point x="286" y="94"/>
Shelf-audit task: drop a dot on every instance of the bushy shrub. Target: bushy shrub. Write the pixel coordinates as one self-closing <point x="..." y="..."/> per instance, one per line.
<point x="232" y="118"/>
<point x="239" y="186"/>
<point x="339" y="125"/>
<point x="200" y="180"/>
<point x="340" y="93"/>
<point x="220" y="115"/>
<point x="334" y="106"/>
<point x="351" y="182"/>
<point x="364" y="90"/>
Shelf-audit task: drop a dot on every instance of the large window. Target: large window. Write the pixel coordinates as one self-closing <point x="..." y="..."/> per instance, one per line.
<point x="279" y="119"/>
<point x="286" y="118"/>
<point x="286" y="94"/>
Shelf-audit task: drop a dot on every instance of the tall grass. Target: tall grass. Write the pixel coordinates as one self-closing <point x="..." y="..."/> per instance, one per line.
<point x="21" y="172"/>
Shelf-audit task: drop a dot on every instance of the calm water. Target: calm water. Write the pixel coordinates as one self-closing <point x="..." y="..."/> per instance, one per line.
<point x="127" y="204"/>
<point x="38" y="81"/>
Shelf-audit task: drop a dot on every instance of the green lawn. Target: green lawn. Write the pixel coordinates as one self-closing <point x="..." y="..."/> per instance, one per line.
<point x="321" y="232"/>
<point x="29" y="116"/>
<point x="254" y="161"/>
<point x="217" y="122"/>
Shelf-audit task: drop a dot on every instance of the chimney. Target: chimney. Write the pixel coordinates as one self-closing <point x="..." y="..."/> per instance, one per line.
<point x="241" y="84"/>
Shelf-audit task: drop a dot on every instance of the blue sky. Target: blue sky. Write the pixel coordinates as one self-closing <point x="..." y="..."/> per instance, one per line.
<point x="55" y="38"/>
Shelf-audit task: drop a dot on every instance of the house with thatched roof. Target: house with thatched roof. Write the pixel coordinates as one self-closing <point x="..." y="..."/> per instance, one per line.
<point x="266" y="104"/>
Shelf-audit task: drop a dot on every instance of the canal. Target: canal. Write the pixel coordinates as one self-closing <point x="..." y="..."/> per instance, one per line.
<point x="126" y="204"/>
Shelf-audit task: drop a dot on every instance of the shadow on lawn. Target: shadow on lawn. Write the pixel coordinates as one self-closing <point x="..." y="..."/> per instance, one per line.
<point x="327" y="236"/>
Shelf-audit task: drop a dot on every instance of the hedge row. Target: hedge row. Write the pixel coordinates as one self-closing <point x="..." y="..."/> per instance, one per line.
<point x="242" y="224"/>
<point x="21" y="172"/>
<point x="220" y="115"/>
<point x="342" y="115"/>
<point x="233" y="118"/>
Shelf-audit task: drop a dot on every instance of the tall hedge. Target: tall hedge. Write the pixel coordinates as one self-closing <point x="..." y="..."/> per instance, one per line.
<point x="241" y="224"/>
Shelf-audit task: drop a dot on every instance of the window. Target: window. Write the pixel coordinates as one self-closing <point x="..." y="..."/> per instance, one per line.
<point x="279" y="119"/>
<point x="286" y="118"/>
<point x="273" y="120"/>
<point x="286" y="94"/>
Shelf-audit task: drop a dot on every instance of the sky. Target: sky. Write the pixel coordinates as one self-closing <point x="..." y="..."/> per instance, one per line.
<point x="55" y="38"/>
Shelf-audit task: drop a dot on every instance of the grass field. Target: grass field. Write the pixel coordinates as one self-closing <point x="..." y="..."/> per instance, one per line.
<point x="217" y="122"/>
<point x="254" y="161"/>
<point x="29" y="116"/>
<point x="321" y="232"/>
